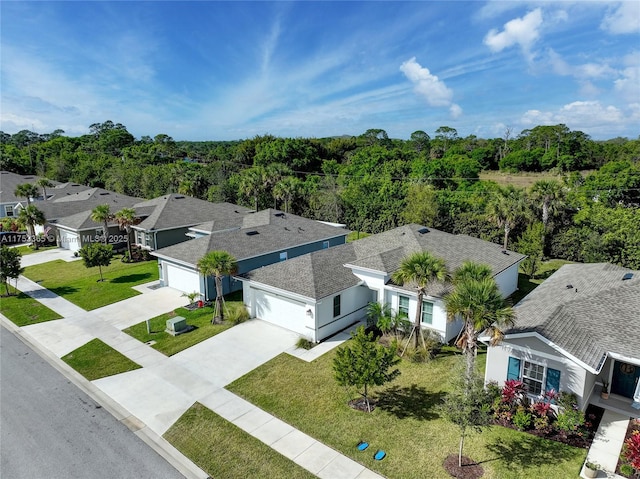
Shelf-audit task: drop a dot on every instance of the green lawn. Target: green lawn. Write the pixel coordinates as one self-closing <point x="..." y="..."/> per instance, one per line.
<point x="97" y="360"/>
<point x="526" y="284"/>
<point x="406" y="423"/>
<point x="168" y="344"/>
<point x="226" y="451"/>
<point x="24" y="310"/>
<point x="81" y="285"/>
<point x="26" y="249"/>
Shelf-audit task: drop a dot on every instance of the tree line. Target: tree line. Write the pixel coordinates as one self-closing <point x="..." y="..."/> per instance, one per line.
<point x="585" y="210"/>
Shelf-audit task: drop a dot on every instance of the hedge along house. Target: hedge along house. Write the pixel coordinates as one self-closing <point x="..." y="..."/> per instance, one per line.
<point x="577" y="329"/>
<point x="167" y="219"/>
<point x="260" y="239"/>
<point x="322" y="293"/>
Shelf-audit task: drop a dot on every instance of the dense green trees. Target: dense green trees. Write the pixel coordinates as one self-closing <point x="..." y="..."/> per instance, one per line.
<point x="372" y="182"/>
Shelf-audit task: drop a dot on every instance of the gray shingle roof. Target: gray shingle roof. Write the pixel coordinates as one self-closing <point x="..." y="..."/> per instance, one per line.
<point x="322" y="273"/>
<point x="276" y="231"/>
<point x="9" y="181"/>
<point x="587" y="310"/>
<point x="73" y="210"/>
<point x="175" y="211"/>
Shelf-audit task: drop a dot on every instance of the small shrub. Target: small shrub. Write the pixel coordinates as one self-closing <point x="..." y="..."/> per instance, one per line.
<point x="304" y="343"/>
<point x="513" y="392"/>
<point x="631" y="450"/>
<point x="493" y="391"/>
<point x="419" y="355"/>
<point x="626" y="470"/>
<point x="541" y="409"/>
<point x="570" y="421"/>
<point x="567" y="401"/>
<point x="237" y="314"/>
<point x="522" y="419"/>
<point x="541" y="423"/>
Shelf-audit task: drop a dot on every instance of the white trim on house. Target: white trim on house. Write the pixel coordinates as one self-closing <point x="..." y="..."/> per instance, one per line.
<point x="626" y="359"/>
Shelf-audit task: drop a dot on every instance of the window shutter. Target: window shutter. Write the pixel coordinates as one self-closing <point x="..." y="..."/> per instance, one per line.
<point x="513" y="371"/>
<point x="553" y="380"/>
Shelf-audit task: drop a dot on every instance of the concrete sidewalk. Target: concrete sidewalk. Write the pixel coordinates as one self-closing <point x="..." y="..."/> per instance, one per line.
<point x="156" y="395"/>
<point x="607" y="443"/>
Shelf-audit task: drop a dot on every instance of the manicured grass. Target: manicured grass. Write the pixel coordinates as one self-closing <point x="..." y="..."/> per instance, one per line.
<point x="226" y="451"/>
<point x="168" y="344"/>
<point x="97" y="360"/>
<point x="23" y="310"/>
<point x="356" y="235"/>
<point x="406" y="423"/>
<point x="26" y="249"/>
<point x="82" y="286"/>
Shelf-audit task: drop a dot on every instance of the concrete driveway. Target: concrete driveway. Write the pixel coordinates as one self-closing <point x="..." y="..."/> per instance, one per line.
<point x="48" y="255"/>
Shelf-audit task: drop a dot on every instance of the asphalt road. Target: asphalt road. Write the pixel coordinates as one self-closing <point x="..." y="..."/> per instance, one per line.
<point x="50" y="429"/>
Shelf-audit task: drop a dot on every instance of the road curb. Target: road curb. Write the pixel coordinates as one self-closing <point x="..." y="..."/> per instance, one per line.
<point x="174" y="457"/>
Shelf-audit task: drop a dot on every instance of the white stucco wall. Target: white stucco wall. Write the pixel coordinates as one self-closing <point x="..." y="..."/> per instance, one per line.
<point x="573" y="378"/>
<point x="353" y="307"/>
<point x="507" y="280"/>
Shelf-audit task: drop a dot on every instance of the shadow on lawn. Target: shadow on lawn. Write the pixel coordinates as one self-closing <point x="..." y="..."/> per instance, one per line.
<point x="527" y="451"/>
<point x="131" y="278"/>
<point x="59" y="291"/>
<point x="414" y="401"/>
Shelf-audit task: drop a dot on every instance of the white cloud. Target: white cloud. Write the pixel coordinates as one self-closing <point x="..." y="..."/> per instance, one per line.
<point x="519" y="31"/>
<point x="430" y="86"/>
<point x="591" y="116"/>
<point x="624" y="19"/>
<point x="627" y="85"/>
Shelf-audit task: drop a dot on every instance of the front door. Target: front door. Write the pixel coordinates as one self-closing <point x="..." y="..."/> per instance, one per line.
<point x="625" y="379"/>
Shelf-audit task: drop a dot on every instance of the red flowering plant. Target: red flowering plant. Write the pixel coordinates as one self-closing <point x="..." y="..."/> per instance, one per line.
<point x="513" y="392"/>
<point x="631" y="450"/>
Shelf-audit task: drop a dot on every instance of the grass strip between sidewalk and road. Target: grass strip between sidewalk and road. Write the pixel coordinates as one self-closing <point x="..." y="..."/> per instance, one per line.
<point x="23" y="310"/>
<point x="97" y="359"/>
<point x="82" y="286"/>
<point x="224" y="450"/>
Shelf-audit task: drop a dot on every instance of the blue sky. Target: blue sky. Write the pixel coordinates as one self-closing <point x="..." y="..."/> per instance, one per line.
<point x="233" y="70"/>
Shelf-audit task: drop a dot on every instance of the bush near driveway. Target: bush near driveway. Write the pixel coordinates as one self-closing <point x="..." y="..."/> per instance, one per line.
<point x="80" y="285"/>
<point x="405" y="423"/>
<point x="23" y="310"/>
<point x="226" y="451"/>
<point x="97" y="360"/>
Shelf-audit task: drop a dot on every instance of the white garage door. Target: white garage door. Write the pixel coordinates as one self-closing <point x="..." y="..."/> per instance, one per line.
<point x="182" y="279"/>
<point x="281" y="311"/>
<point x="69" y="240"/>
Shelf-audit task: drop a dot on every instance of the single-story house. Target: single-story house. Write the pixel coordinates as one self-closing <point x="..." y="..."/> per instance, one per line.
<point x="321" y="293"/>
<point x="10" y="204"/>
<point x="167" y="220"/>
<point x="261" y="238"/>
<point x="578" y="329"/>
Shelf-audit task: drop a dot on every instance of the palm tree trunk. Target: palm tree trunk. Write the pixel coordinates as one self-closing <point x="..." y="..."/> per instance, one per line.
<point x="219" y="314"/>
<point x="416" y="325"/>
<point x="507" y="230"/>
<point x="128" y="231"/>
<point x="255" y="200"/>
<point x="106" y="231"/>
<point x="460" y="449"/>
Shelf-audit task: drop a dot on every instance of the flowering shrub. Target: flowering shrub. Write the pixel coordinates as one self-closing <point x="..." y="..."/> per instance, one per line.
<point x="541" y="409"/>
<point x="513" y="392"/>
<point x="631" y="450"/>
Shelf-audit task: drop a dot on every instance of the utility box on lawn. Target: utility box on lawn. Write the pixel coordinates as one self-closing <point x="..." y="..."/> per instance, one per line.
<point x="176" y="326"/>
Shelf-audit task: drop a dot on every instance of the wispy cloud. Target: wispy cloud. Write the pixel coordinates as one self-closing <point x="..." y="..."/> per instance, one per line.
<point x="429" y="86"/>
<point x="624" y="18"/>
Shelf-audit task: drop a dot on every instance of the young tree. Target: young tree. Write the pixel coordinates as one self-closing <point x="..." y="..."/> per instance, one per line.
<point x="507" y="209"/>
<point x="30" y="217"/>
<point x="126" y="218"/>
<point x="531" y="243"/>
<point x="96" y="254"/>
<point x="477" y="300"/>
<point x="420" y="270"/>
<point x="467" y="406"/>
<point x="9" y="265"/>
<point x="362" y="363"/>
<point x="44" y="183"/>
<point x="26" y="190"/>
<point x="217" y="264"/>
<point x="102" y="214"/>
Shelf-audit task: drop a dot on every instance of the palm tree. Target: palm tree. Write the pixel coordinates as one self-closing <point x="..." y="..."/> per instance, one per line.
<point x="251" y="181"/>
<point x="31" y="216"/>
<point x="420" y="269"/>
<point x="217" y="264"/>
<point x="507" y="209"/>
<point x="102" y="214"/>
<point x="26" y="190"/>
<point x="550" y="195"/>
<point x="286" y="190"/>
<point x="126" y="218"/>
<point x="44" y="183"/>
<point x="479" y="303"/>
<point x="271" y="175"/>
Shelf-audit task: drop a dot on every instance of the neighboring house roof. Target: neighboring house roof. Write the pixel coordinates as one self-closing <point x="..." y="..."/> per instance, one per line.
<point x="9" y="181"/>
<point x="327" y="272"/>
<point x="587" y="310"/>
<point x="176" y="211"/>
<point x="260" y="233"/>
<point x="74" y="210"/>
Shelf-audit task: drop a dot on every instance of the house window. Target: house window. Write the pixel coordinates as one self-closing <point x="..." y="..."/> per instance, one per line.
<point x="336" y="306"/>
<point x="532" y="377"/>
<point x="403" y="306"/>
<point x="427" y="312"/>
<point x="283" y="256"/>
<point x="325" y="244"/>
<point x="537" y="378"/>
<point x="8" y="210"/>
